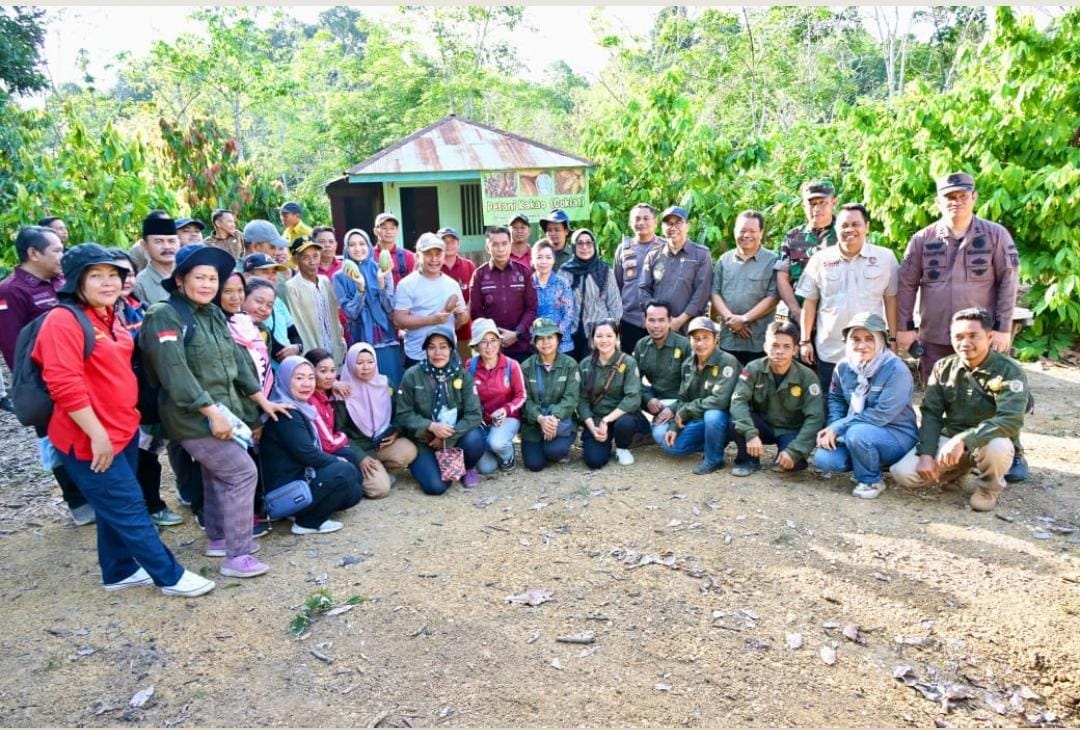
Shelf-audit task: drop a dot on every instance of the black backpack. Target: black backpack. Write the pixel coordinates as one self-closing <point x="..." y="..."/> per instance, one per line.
<point x="30" y="396"/>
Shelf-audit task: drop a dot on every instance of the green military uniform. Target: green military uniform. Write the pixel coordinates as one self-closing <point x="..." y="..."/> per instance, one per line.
<point x="662" y="366"/>
<point x="623" y="393"/>
<point x="705" y="389"/>
<point x="980" y="404"/>
<point x="561" y="387"/>
<point x="210" y="368"/>
<point x="561" y="257"/>
<point x="416" y="400"/>
<point x="794" y="405"/>
<point x="799" y="245"/>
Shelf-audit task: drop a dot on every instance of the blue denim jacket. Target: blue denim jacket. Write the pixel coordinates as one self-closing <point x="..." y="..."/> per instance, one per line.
<point x="888" y="404"/>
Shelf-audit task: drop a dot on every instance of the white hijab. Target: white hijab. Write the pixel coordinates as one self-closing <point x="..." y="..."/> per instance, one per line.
<point x="864" y="371"/>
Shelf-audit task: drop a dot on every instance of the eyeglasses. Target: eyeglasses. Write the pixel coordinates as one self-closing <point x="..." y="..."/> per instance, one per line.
<point x="585" y="242"/>
<point x="489" y="342"/>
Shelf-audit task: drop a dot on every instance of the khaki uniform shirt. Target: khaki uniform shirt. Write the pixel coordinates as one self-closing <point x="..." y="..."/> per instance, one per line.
<point x="793" y="406"/>
<point x="742" y="284"/>
<point x="845" y="288"/>
<point x="233" y="243"/>
<point x="663" y="366"/>
<point x="950" y="274"/>
<point x="979" y="404"/>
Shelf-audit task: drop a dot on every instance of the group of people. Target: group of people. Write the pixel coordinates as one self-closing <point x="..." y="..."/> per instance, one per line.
<point x="258" y="359"/>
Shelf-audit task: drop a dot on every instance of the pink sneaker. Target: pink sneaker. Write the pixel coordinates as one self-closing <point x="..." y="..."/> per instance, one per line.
<point x="471" y="478"/>
<point x="217" y="549"/>
<point x="243" y="566"/>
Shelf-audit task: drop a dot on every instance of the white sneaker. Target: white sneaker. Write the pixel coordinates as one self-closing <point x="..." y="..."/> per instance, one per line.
<point x="869" y="491"/>
<point x="139" y="578"/>
<point x="189" y="586"/>
<point x="624" y="457"/>
<point x="328" y="526"/>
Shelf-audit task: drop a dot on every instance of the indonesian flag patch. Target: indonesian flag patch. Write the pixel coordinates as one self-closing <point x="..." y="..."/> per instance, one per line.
<point x="166" y="336"/>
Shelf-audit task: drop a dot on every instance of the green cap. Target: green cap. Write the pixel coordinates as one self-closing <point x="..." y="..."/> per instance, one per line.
<point x="544" y="327"/>
<point x="867" y="321"/>
<point x="818" y="189"/>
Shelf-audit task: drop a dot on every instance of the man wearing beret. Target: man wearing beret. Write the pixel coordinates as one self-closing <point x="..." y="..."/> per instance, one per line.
<point x="959" y="261"/>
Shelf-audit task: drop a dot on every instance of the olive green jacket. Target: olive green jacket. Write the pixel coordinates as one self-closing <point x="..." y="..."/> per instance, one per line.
<point x="662" y="367"/>
<point x="562" y="388"/>
<point x="624" y="393"/>
<point x="979" y="404"/>
<point x="705" y="389"/>
<point x="210" y="368"/>
<point x="416" y="399"/>
<point x="794" y="406"/>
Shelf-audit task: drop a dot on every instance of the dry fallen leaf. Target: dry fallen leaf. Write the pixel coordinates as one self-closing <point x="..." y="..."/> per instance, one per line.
<point x="532" y="598"/>
<point x="141" y="697"/>
<point x="794" y="641"/>
<point x="828" y="654"/>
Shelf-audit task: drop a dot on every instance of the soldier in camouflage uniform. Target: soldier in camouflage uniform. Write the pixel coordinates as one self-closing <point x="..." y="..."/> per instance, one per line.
<point x="802" y="242"/>
<point x="972" y="410"/>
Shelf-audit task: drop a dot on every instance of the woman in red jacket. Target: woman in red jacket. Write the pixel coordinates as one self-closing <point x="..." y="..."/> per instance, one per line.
<point x="501" y="387"/>
<point x="95" y="425"/>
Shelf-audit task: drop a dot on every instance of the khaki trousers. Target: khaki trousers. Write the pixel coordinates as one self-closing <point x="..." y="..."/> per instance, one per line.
<point x="397" y="455"/>
<point x="991" y="462"/>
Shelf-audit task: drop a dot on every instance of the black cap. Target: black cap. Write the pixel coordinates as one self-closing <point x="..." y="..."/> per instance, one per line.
<point x="76" y="260"/>
<point x="181" y="222"/>
<point x="291" y="207"/>
<point x="955" y="181"/>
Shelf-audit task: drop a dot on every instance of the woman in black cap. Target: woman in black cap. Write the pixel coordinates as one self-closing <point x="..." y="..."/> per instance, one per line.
<point x="210" y="398"/>
<point x="95" y="424"/>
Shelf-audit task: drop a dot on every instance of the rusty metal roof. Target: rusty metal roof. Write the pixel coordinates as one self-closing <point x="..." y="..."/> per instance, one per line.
<point x="456" y="144"/>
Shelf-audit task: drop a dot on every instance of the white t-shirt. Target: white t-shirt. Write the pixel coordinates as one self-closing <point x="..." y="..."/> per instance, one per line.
<point x="420" y="296"/>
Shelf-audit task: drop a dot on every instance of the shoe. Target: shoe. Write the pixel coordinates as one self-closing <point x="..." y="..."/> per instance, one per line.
<point x="745" y="470"/>
<point x="190" y="585"/>
<point x="139" y="578"/>
<point x="328" y="526"/>
<point x="624" y="457"/>
<point x="217" y="549"/>
<point x="83" y="515"/>
<point x="869" y="491"/>
<point x="704" y="467"/>
<point x="471" y="479"/>
<point x="260" y="529"/>
<point x="510" y="464"/>
<point x="6" y="404"/>
<point x="1019" y="471"/>
<point x="165" y="517"/>
<point x="983" y="500"/>
<point x="243" y="566"/>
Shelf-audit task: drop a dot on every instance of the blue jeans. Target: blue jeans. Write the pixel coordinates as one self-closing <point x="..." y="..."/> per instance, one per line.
<point x="425" y="469"/>
<point x="866" y="450"/>
<point x="708" y="435"/>
<point x="537" y="454"/>
<point x="126" y="537"/>
<point x="767" y="435"/>
<point x="500" y="445"/>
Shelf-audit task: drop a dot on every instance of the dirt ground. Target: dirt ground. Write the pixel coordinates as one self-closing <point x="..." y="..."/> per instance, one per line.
<point x="694" y="591"/>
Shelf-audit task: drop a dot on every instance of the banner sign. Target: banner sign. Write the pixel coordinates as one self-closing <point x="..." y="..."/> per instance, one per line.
<point x="534" y="192"/>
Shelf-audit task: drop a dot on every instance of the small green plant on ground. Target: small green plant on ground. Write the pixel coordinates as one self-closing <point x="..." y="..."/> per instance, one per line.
<point x="317" y="604"/>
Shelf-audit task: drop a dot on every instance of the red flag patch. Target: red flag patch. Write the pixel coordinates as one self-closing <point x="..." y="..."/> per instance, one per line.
<point x="166" y="336"/>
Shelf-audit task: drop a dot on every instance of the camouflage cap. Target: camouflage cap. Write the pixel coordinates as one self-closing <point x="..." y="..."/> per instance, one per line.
<point x="817" y="189"/>
<point x="955" y="181"/>
<point x="867" y="321"/>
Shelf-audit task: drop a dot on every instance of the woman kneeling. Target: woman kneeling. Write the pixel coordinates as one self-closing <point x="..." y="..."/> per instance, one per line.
<point x="439" y="408"/>
<point x="552" y="387"/>
<point x="291" y="450"/>
<point x="610" y="399"/>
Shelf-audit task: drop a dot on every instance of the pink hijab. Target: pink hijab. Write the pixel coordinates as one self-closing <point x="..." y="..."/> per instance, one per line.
<point x="369" y="403"/>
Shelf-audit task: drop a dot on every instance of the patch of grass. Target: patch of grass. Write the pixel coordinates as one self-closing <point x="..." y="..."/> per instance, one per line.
<point x="314" y="606"/>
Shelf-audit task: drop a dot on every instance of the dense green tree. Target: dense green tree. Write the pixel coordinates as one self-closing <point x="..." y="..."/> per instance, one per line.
<point x="22" y="34"/>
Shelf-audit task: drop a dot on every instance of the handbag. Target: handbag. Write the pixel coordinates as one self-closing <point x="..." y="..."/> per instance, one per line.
<point x="451" y="463"/>
<point x="288" y="499"/>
